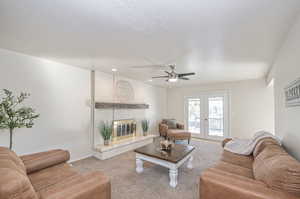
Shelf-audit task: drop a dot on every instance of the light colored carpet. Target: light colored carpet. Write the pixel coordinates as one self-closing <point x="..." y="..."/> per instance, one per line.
<point x="153" y="183"/>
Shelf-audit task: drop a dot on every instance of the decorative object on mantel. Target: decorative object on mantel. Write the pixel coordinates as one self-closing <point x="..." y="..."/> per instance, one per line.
<point x="117" y="105"/>
<point x="106" y="132"/>
<point x="292" y="94"/>
<point x="145" y="126"/>
<point x="166" y="145"/>
<point x="12" y="115"/>
<point x="124" y="91"/>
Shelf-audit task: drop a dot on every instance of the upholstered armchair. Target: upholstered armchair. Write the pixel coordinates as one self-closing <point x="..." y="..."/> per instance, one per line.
<point x="164" y="127"/>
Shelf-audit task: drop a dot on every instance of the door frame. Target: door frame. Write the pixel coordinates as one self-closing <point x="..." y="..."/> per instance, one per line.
<point x="203" y="105"/>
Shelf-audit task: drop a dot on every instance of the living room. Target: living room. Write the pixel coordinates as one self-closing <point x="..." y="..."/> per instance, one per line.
<point x="149" y="99"/>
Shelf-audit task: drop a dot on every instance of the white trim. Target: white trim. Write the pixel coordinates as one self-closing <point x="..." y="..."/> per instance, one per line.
<point x="92" y="127"/>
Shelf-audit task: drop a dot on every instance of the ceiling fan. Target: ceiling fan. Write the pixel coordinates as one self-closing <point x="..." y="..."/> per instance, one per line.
<point x="173" y="76"/>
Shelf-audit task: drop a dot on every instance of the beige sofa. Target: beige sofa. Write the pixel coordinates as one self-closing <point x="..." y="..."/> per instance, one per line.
<point x="47" y="175"/>
<point x="270" y="173"/>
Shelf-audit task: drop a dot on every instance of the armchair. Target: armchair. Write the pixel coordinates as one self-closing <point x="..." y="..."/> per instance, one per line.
<point x="173" y="131"/>
<point x="163" y="128"/>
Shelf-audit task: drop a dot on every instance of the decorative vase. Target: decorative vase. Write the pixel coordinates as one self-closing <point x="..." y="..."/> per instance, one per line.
<point x="166" y="145"/>
<point x="106" y="142"/>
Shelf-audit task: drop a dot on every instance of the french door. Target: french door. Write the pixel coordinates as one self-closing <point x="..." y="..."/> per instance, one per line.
<point x="207" y="115"/>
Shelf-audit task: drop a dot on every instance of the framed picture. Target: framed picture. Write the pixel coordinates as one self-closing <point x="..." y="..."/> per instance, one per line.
<point x="292" y="94"/>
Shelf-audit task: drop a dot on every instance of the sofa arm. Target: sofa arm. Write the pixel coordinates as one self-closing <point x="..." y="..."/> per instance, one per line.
<point x="38" y="161"/>
<point x="93" y="185"/>
<point x="180" y="126"/>
<point x="225" y="141"/>
<point x="217" y="184"/>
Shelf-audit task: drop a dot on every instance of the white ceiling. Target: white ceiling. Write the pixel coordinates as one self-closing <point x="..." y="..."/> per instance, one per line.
<point x="220" y="40"/>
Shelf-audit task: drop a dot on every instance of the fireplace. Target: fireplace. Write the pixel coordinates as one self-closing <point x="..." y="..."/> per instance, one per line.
<point x="123" y="129"/>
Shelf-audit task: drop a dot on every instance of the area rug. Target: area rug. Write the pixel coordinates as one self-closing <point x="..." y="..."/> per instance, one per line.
<point x="153" y="183"/>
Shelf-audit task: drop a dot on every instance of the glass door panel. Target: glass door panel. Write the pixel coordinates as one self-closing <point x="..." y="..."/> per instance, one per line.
<point x="194" y="116"/>
<point x="216" y="116"/>
<point x="207" y="115"/>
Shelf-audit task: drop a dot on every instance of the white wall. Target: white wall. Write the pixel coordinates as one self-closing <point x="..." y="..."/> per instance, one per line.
<point x="251" y="105"/>
<point x="285" y="70"/>
<point x="156" y="97"/>
<point x="59" y="93"/>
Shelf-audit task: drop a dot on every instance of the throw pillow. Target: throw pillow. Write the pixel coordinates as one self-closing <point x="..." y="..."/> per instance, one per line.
<point x="171" y="123"/>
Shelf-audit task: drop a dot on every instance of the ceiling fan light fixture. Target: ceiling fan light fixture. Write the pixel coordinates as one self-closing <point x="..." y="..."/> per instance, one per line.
<point x="173" y="80"/>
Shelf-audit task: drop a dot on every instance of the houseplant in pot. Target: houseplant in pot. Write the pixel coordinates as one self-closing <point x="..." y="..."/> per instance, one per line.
<point x="13" y="114"/>
<point x="106" y="132"/>
<point x="145" y="126"/>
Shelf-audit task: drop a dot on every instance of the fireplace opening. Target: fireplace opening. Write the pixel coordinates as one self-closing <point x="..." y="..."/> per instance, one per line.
<point x="123" y="129"/>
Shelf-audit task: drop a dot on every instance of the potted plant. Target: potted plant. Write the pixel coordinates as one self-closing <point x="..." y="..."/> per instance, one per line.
<point x="13" y="114"/>
<point x="106" y="132"/>
<point x="145" y="126"/>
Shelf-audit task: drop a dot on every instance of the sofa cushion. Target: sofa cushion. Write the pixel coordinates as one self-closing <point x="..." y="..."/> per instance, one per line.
<point x="262" y="144"/>
<point x="275" y="167"/>
<point x="217" y="184"/>
<point x="240" y="160"/>
<point x="6" y="154"/>
<point x="51" y="176"/>
<point x="178" y="134"/>
<point x="234" y="169"/>
<point x="14" y="182"/>
<point x="92" y="185"/>
<point x="171" y="123"/>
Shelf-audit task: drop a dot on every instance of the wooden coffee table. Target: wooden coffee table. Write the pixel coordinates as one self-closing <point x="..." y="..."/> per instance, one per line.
<point x="171" y="160"/>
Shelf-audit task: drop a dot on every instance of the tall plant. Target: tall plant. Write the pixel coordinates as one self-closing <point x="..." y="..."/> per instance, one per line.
<point x="13" y="114"/>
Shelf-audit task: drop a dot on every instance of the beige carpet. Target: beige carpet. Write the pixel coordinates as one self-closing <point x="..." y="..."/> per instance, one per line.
<point x="153" y="183"/>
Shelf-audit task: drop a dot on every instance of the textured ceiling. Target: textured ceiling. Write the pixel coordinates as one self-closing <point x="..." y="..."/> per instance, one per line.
<point x="220" y="40"/>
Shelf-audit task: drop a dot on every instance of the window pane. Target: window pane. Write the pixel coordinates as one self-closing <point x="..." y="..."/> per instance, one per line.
<point x="194" y="115"/>
<point x="216" y="116"/>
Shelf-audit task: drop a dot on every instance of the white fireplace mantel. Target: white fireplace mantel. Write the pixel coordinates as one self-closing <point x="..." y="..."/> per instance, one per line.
<point x="104" y="152"/>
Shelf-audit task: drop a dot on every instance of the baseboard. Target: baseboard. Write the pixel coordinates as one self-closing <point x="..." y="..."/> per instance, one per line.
<point x="81" y="158"/>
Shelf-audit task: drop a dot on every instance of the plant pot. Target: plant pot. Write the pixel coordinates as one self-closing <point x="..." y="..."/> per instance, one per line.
<point x="106" y="142"/>
<point x="145" y="133"/>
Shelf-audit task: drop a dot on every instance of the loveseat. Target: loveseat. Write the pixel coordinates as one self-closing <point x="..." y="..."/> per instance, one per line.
<point x="269" y="173"/>
<point x="47" y="175"/>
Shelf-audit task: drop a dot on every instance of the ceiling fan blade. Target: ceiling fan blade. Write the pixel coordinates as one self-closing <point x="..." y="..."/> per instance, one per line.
<point x="161" y="77"/>
<point x="184" y="78"/>
<point x="167" y="72"/>
<point x="185" y="74"/>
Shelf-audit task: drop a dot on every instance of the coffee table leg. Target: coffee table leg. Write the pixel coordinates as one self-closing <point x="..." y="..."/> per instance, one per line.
<point x="190" y="163"/>
<point x="139" y="165"/>
<point x="173" y="173"/>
